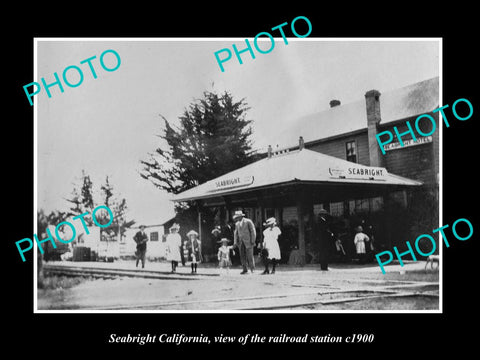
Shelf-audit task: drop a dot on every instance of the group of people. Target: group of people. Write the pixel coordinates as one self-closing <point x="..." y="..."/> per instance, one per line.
<point x="244" y="236"/>
<point x="175" y="250"/>
<point x="191" y="248"/>
<point x="363" y="241"/>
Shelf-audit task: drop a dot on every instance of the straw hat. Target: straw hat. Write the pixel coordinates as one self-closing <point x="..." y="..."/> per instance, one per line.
<point x="271" y="221"/>
<point x="223" y="240"/>
<point x="216" y="230"/>
<point x="175" y="226"/>
<point x="238" y="213"/>
<point x="192" y="232"/>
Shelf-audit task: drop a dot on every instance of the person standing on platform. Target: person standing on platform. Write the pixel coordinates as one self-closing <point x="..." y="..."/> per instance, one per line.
<point x="270" y="244"/>
<point x="173" y="247"/>
<point x="141" y="239"/>
<point x="227" y="232"/>
<point x="244" y="238"/>
<point x="194" y="250"/>
<point x="369" y="245"/>
<point x="359" y="241"/>
<point x="324" y="236"/>
<point x="223" y="255"/>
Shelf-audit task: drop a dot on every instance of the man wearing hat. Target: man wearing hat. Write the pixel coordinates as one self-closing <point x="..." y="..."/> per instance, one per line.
<point x="325" y="238"/>
<point x="141" y="239"/>
<point x="244" y="238"/>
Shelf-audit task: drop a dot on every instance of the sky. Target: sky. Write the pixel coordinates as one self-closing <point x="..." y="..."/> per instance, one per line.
<point x="106" y="125"/>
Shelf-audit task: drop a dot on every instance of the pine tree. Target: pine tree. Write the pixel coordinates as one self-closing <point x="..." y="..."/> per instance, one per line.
<point x="82" y="198"/>
<point x="213" y="138"/>
<point x="118" y="206"/>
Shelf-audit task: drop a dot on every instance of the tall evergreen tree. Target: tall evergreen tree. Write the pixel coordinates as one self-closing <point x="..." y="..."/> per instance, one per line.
<point x="213" y="138"/>
<point x="82" y="198"/>
<point x="118" y="206"/>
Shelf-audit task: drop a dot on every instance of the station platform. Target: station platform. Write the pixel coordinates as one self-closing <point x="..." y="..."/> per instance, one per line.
<point x="164" y="267"/>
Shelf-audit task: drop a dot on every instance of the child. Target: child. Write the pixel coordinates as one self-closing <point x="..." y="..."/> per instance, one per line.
<point x="223" y="255"/>
<point x="270" y="245"/>
<point x="339" y="247"/>
<point x="359" y="241"/>
<point x="193" y="250"/>
<point x="173" y="245"/>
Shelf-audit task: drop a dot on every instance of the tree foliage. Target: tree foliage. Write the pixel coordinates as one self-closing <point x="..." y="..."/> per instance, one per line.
<point x="213" y="138"/>
<point x="83" y="199"/>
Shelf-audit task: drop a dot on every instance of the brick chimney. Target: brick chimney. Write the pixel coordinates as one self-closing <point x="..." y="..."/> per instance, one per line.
<point x="372" y="101"/>
<point x="301" y="143"/>
<point x="334" y="103"/>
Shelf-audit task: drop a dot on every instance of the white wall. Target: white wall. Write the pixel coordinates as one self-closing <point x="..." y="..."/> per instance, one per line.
<point x="155" y="249"/>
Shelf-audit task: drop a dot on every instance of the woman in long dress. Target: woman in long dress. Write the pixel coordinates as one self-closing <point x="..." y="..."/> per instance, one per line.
<point x="270" y="245"/>
<point x="173" y="247"/>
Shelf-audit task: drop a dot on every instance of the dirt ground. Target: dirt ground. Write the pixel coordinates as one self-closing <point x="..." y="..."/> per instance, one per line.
<point x="234" y="291"/>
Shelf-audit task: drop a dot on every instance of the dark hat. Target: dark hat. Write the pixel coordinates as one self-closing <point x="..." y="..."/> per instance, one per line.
<point x="142" y="226"/>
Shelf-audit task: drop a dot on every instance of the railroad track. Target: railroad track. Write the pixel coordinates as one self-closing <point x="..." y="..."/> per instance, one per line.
<point x="295" y="296"/>
<point x="115" y="273"/>
<point x="279" y="301"/>
<point x="271" y="301"/>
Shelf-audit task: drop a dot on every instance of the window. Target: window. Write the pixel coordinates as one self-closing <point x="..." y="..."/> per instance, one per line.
<point x="317" y="208"/>
<point x="154" y="236"/>
<point x="362" y="205"/>
<point x="351" y="151"/>
<point x="376" y="203"/>
<point x="269" y="212"/>
<point x="337" y="208"/>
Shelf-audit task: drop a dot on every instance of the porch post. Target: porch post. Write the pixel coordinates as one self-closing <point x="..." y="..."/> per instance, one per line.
<point x="199" y="225"/>
<point x="301" y="230"/>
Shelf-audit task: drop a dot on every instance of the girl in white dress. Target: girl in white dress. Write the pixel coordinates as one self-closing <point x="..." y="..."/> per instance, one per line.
<point x="270" y="245"/>
<point x="223" y="255"/>
<point x="173" y="246"/>
<point x="359" y="241"/>
<point x="193" y="250"/>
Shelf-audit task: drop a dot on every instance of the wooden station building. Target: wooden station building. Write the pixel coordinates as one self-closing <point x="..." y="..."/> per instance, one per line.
<point x="331" y="160"/>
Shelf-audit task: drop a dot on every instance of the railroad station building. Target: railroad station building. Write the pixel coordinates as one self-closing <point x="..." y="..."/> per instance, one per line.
<point x="331" y="160"/>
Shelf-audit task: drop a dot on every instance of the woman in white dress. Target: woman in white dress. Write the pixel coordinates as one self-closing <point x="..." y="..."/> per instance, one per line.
<point x="173" y="246"/>
<point x="270" y="245"/>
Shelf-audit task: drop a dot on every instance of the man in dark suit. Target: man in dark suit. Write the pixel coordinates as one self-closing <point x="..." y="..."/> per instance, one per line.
<point x="141" y="239"/>
<point x="324" y="238"/>
<point x="244" y="238"/>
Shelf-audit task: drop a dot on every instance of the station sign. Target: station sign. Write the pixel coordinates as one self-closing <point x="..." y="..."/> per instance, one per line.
<point x="359" y="172"/>
<point x="232" y="183"/>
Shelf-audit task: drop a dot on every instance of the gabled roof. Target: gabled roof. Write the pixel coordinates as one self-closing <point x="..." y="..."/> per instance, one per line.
<point x="295" y="166"/>
<point x="401" y="103"/>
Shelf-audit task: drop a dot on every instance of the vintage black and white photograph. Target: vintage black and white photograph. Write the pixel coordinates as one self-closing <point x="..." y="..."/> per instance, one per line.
<point x="212" y="175"/>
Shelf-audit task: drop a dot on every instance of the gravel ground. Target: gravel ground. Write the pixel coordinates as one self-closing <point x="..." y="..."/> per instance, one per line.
<point x="223" y="292"/>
